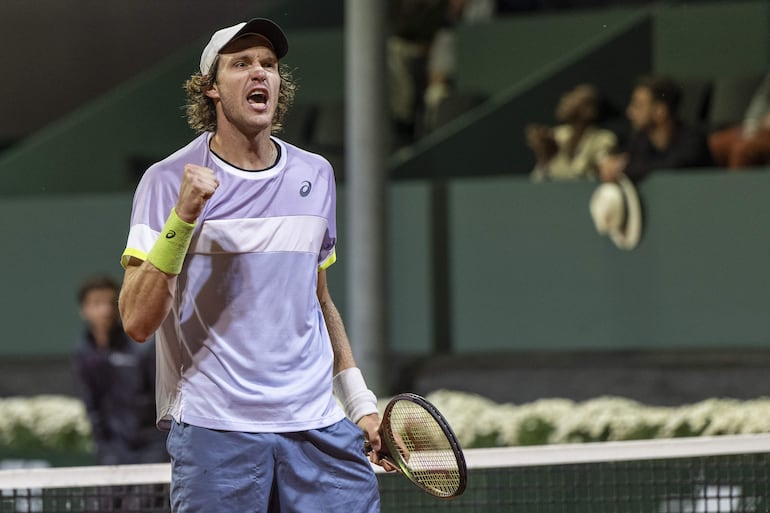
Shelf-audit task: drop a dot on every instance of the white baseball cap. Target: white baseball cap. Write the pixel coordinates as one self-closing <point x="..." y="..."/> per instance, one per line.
<point x="260" y="26"/>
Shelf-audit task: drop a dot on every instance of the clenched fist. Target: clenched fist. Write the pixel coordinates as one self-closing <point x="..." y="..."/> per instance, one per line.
<point x="198" y="185"/>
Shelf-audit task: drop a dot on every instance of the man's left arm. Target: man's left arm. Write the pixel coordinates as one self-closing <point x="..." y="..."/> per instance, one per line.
<point x="359" y="402"/>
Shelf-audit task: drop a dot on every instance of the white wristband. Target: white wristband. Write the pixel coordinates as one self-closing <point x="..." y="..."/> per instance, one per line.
<point x="350" y="389"/>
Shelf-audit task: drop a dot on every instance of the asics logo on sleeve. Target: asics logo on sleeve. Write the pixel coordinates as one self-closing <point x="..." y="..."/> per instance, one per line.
<point x="305" y="189"/>
<point x="170" y="234"/>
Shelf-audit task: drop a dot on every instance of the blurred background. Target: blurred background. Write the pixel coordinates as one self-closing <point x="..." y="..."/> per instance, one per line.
<point x="495" y="285"/>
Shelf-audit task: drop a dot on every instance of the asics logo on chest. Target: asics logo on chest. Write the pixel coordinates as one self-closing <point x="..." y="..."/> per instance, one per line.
<point x="305" y="189"/>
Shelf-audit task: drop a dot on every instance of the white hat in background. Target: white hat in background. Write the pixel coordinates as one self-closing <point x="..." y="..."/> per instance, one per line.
<point x="617" y="212"/>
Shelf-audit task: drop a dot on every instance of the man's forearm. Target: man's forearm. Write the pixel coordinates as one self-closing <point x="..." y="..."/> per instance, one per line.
<point x="343" y="354"/>
<point x="145" y="300"/>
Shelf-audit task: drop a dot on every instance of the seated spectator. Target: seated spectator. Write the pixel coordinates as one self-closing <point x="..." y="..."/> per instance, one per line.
<point x="117" y="381"/>
<point x="573" y="149"/>
<point x="748" y="143"/>
<point x="660" y="140"/>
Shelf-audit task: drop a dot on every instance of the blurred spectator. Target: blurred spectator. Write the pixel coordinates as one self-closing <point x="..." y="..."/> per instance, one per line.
<point x="473" y="11"/>
<point x="442" y="57"/>
<point x="748" y="143"/>
<point x="573" y="149"/>
<point x="414" y="24"/>
<point x="660" y="140"/>
<point x="422" y="58"/>
<point x="117" y="381"/>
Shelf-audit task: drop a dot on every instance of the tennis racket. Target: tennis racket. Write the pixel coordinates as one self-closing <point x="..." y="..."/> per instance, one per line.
<point x="418" y="442"/>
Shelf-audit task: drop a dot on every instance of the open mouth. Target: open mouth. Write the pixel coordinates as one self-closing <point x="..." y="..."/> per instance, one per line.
<point x="257" y="98"/>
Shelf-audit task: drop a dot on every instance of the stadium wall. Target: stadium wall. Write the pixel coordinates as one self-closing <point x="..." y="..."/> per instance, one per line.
<point x="526" y="269"/>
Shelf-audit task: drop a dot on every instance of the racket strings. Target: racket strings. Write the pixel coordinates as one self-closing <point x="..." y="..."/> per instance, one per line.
<point x="424" y="448"/>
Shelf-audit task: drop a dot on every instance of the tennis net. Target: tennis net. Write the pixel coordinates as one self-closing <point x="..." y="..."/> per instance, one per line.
<point x="683" y="475"/>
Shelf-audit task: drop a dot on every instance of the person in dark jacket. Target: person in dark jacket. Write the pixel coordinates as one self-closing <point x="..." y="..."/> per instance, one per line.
<point x="660" y="140"/>
<point x="117" y="381"/>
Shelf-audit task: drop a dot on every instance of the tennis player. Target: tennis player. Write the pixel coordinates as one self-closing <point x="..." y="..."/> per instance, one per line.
<point x="226" y="259"/>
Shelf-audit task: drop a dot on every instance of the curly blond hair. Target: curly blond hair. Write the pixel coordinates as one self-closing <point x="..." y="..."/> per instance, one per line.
<point x="201" y="112"/>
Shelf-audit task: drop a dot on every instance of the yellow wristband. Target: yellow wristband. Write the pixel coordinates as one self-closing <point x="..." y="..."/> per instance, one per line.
<point x="171" y="247"/>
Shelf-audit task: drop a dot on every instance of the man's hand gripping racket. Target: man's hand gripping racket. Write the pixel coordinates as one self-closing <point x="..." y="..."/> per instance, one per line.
<point x="418" y="442"/>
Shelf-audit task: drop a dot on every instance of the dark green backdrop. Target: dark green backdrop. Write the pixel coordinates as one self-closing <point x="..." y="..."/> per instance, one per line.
<point x="515" y="266"/>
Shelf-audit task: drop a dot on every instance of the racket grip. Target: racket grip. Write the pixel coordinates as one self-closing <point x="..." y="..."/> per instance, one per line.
<point x="382" y="452"/>
<point x="383" y="457"/>
<point x="368" y="448"/>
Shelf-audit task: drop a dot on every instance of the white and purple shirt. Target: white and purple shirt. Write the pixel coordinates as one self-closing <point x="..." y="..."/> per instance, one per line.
<point x="245" y="347"/>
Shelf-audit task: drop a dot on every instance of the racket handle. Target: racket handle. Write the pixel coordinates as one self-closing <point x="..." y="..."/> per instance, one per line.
<point x="368" y="448"/>
<point x="383" y="456"/>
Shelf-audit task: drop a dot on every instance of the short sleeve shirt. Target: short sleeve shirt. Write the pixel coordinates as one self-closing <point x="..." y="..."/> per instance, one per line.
<point x="245" y="347"/>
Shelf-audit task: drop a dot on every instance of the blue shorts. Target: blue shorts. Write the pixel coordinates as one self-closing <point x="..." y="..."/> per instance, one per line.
<point x="323" y="470"/>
